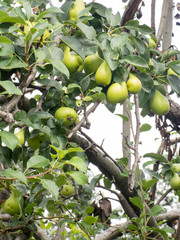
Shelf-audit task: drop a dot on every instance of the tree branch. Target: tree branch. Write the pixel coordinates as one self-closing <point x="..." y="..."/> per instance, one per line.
<point x="153" y="9"/>
<point x="162" y="25"/>
<point x="40" y="234"/>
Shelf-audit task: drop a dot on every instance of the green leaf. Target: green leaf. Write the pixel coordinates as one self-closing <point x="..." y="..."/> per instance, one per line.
<point x="174" y="82"/>
<point x="119" y="41"/>
<point x="156" y="156"/>
<point x="90" y="220"/>
<point x="37" y="162"/>
<point x="88" y="31"/>
<point x="15" y="63"/>
<point x="5" y="40"/>
<point x="28" y="9"/>
<point x="134" y="25"/>
<point x="113" y="20"/>
<point x="79" y="177"/>
<point x="49" y="10"/>
<point x="51" y="187"/>
<point x="4" y="17"/>
<point x="145" y="127"/>
<point x="78" y="163"/>
<point x="59" y="65"/>
<point x="135" y="60"/>
<point x="14" y="174"/>
<point x="123" y="117"/>
<point x="155" y="210"/>
<point x="9" y="139"/>
<point x="137" y="202"/>
<point x="10" y="88"/>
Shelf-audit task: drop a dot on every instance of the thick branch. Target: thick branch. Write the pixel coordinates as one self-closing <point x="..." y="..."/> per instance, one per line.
<point x="162" y="25"/>
<point x="40" y="234"/>
<point x="153" y="8"/>
<point x="115" y="231"/>
<point x="130" y="11"/>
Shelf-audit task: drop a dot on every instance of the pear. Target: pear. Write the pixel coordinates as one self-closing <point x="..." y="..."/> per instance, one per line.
<point x="72" y="61"/>
<point x="133" y="84"/>
<point x="159" y="104"/>
<point x="172" y="72"/>
<point x="68" y="189"/>
<point x="92" y="63"/>
<point x="20" y="136"/>
<point x="103" y="74"/>
<point x="77" y="8"/>
<point x="175" y="167"/>
<point x="175" y="182"/>
<point x="152" y="43"/>
<point x="12" y="204"/>
<point x="117" y="93"/>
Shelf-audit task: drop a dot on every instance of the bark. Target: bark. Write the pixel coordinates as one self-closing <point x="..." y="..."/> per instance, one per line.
<point x="153" y="10"/>
<point x="130" y="11"/>
<point x="114" y="232"/>
<point x="163" y="19"/>
<point x="167" y="36"/>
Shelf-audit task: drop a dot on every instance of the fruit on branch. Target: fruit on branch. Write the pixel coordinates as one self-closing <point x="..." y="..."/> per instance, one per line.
<point x="20" y="136"/>
<point x="103" y="74"/>
<point x="152" y="43"/>
<point x="159" y="104"/>
<point x="71" y="61"/>
<point x="77" y="8"/>
<point x="92" y="63"/>
<point x="172" y="72"/>
<point x="68" y="189"/>
<point x="175" y="182"/>
<point x="133" y="84"/>
<point x="36" y="141"/>
<point x="117" y="93"/>
<point x="12" y="204"/>
<point x="68" y="115"/>
<point x="150" y="62"/>
<point x="175" y="167"/>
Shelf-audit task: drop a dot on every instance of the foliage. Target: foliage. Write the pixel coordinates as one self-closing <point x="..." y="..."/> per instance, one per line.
<point x="35" y="82"/>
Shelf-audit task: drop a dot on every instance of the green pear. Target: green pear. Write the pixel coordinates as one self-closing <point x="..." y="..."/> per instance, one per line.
<point x="103" y="74"/>
<point x="71" y="61"/>
<point x="36" y="141"/>
<point x="175" y="167"/>
<point x="152" y="43"/>
<point x="20" y="136"/>
<point x="12" y="204"/>
<point x="133" y="84"/>
<point x="77" y="8"/>
<point x="92" y="63"/>
<point x="159" y="104"/>
<point x="175" y="182"/>
<point x="68" y="189"/>
<point x="68" y="115"/>
<point x="172" y="72"/>
<point x="117" y="93"/>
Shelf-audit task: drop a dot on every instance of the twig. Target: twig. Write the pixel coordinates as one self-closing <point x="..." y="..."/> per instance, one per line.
<point x="41" y="99"/>
<point x="83" y="120"/>
<point x="136" y="143"/>
<point x="163" y="196"/>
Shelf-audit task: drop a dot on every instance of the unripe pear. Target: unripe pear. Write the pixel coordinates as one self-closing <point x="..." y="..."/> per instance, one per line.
<point x="133" y="84"/>
<point x="172" y="72"/>
<point x="77" y="8"/>
<point x="12" y="205"/>
<point x="159" y="104"/>
<point x="20" y="136"/>
<point x="92" y="63"/>
<point x="103" y="74"/>
<point x="68" y="189"/>
<point x="117" y="93"/>
<point x="175" y="182"/>
<point x="71" y="61"/>
<point x="175" y="167"/>
<point x="152" y="43"/>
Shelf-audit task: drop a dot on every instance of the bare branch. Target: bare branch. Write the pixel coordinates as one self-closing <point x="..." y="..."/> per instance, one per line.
<point x="153" y="8"/>
<point x="163" y="196"/>
<point x="5" y="217"/>
<point x="7" y="117"/>
<point x="136" y="143"/>
<point x="83" y="120"/>
<point x="40" y="234"/>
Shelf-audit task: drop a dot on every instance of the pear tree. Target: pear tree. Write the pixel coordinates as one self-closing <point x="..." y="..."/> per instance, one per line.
<point x="58" y="65"/>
